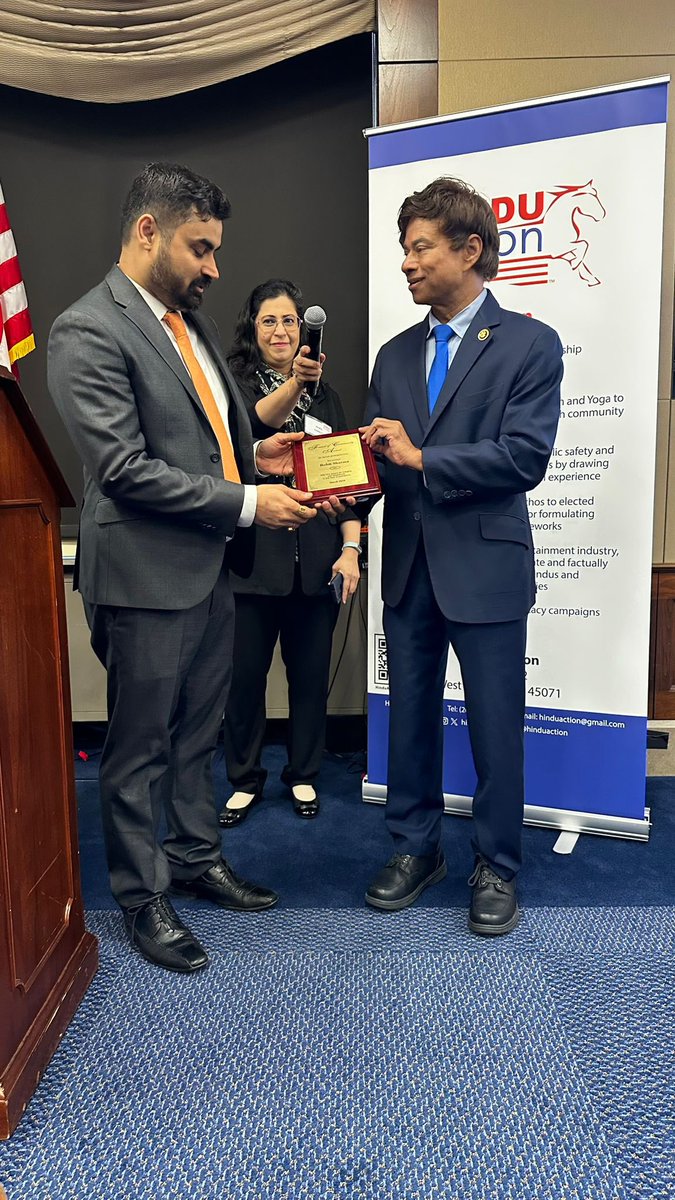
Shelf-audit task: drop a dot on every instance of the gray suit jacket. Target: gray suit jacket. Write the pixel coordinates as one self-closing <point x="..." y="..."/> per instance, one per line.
<point x="156" y="511"/>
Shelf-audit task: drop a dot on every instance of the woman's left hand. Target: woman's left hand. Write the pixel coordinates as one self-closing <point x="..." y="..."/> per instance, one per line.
<point x="347" y="565"/>
<point x="333" y="507"/>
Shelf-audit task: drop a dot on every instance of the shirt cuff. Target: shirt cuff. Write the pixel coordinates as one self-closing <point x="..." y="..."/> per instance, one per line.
<point x="247" y="514"/>
<point x="263" y="474"/>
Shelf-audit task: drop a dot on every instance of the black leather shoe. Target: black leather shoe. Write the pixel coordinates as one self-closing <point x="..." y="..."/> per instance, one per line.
<point x="223" y="887"/>
<point x="157" y="931"/>
<point x="404" y="878"/>
<point x="228" y="817"/>
<point x="494" y="909"/>
<point x="305" y="800"/>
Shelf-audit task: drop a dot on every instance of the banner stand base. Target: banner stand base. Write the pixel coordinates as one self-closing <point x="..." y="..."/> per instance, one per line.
<point x="565" y="842"/>
<point x="564" y="819"/>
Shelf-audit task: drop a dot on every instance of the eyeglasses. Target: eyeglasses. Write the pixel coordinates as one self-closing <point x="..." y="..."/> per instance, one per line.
<point x="269" y="324"/>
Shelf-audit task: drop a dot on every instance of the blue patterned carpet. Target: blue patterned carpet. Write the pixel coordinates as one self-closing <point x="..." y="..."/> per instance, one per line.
<point x="331" y="1056"/>
<point x="335" y="1053"/>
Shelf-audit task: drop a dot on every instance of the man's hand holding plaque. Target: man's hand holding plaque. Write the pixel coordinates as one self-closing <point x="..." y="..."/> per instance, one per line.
<point x="335" y="467"/>
<point x="389" y="439"/>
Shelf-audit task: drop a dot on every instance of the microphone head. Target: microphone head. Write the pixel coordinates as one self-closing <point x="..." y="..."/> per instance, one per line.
<point x="315" y="317"/>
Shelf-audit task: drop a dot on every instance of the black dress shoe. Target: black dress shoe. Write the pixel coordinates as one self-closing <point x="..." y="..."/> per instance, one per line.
<point x="404" y="878"/>
<point x="305" y="800"/>
<point x="223" y="887"/>
<point x="228" y="817"/>
<point x="157" y="931"/>
<point x="494" y="909"/>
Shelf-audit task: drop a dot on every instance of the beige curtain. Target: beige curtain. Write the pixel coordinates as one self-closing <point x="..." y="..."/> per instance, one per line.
<point x="110" y="51"/>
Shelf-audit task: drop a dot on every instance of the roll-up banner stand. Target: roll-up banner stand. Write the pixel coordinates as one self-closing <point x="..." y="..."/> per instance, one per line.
<point x="577" y="186"/>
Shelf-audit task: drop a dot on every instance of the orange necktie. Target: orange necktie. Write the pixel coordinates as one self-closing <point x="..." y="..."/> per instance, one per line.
<point x="177" y="326"/>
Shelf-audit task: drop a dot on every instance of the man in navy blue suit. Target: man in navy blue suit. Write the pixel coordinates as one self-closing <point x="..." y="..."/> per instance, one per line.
<point x="463" y="409"/>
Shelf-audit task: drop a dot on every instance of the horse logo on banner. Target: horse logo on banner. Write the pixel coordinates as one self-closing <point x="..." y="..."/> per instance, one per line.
<point x="552" y="228"/>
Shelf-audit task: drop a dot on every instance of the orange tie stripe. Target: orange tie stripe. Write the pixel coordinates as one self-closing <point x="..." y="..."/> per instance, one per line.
<point x="178" y="328"/>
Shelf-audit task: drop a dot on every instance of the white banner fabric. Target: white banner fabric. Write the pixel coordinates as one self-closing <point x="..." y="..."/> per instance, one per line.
<point x="577" y="185"/>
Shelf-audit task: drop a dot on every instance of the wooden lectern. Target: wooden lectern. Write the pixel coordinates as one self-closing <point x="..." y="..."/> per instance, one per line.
<point x="47" y="959"/>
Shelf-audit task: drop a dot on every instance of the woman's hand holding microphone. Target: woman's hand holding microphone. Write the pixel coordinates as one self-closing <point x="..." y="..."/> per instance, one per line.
<point x="306" y="370"/>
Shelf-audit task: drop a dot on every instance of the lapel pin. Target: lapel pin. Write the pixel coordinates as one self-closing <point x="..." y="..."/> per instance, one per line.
<point x="484" y="333"/>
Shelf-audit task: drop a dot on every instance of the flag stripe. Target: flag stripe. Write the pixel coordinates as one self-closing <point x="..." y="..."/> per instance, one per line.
<point x="10" y="274"/>
<point x="523" y="267"/>
<point x="523" y="275"/>
<point x="18" y="327"/>
<point x="526" y="258"/>
<point x="524" y="271"/>
<point x="4" y="352"/>
<point x="13" y="301"/>
<point x="7" y="245"/>
<point x="4" y="219"/>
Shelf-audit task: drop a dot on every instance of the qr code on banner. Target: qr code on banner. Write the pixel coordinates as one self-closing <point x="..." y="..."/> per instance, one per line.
<point x="381" y="669"/>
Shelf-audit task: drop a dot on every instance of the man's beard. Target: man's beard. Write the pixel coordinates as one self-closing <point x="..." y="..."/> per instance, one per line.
<point x="164" y="279"/>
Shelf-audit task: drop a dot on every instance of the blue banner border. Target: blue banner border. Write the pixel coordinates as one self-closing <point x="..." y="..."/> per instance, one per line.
<point x="548" y="121"/>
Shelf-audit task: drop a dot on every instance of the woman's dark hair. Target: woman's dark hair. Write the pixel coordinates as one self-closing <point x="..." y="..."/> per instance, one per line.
<point x="460" y="211"/>
<point x="244" y="356"/>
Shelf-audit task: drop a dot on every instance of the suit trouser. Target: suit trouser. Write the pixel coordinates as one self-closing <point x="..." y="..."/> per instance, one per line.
<point x="304" y="626"/>
<point x="492" y="661"/>
<point x="168" y="678"/>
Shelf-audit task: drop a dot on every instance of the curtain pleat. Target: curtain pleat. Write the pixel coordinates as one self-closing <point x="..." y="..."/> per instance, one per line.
<point x="116" y="51"/>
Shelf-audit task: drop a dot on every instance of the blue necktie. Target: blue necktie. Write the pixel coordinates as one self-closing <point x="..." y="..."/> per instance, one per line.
<point x="439" y="367"/>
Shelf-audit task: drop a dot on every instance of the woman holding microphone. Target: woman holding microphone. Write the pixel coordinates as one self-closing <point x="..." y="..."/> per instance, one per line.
<point x="287" y="596"/>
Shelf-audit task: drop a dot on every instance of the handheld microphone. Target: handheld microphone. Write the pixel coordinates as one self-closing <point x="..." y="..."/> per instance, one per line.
<point x="315" y="319"/>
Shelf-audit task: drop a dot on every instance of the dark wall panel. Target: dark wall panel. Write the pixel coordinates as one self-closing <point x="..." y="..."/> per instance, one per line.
<point x="286" y="146"/>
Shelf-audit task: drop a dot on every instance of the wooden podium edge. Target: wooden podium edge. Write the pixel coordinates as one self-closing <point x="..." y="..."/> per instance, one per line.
<point x="28" y="1064"/>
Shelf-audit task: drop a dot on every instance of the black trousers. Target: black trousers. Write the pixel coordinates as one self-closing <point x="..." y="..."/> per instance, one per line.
<point x="304" y="625"/>
<point x="168" y="678"/>
<point x="492" y="661"/>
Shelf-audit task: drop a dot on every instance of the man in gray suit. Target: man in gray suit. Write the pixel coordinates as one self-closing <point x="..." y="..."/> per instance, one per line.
<point x="169" y="503"/>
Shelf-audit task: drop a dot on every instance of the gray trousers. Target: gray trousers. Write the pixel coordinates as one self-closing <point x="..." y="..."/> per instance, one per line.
<point x="168" y="678"/>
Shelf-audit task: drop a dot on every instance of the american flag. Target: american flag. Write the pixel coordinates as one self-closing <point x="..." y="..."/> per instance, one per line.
<point x="16" y="331"/>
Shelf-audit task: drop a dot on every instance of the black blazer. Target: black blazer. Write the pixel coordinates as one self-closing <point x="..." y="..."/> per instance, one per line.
<point x="318" y="543"/>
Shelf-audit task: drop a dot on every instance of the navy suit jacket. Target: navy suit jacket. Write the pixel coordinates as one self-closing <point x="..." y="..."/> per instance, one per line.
<point x="487" y="442"/>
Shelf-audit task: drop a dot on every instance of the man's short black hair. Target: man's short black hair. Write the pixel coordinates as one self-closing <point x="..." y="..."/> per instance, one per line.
<point x="173" y="194"/>
<point x="460" y="211"/>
